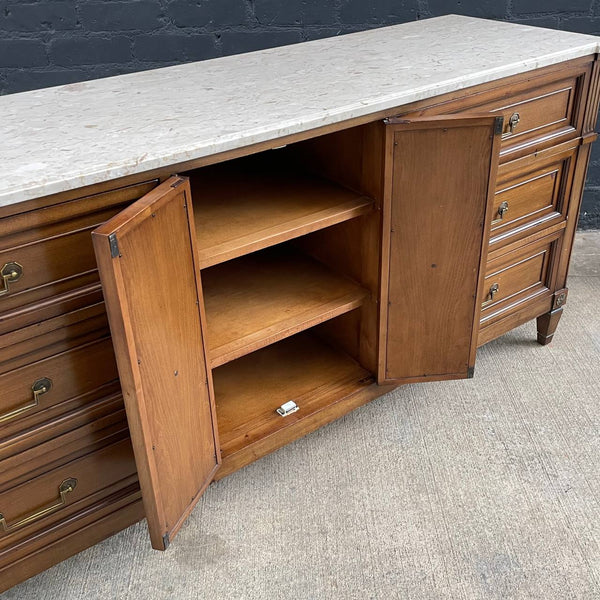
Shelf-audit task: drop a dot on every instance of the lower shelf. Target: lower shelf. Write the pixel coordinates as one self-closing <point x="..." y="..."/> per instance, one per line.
<point x="301" y="368"/>
<point x="261" y="298"/>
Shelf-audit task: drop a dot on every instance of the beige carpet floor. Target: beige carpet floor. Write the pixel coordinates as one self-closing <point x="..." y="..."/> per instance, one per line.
<point x="480" y="489"/>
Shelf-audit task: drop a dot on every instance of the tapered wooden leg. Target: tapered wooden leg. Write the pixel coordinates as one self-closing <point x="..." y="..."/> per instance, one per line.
<point x="546" y="326"/>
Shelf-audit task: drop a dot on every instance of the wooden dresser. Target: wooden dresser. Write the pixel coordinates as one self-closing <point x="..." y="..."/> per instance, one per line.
<point x="268" y="280"/>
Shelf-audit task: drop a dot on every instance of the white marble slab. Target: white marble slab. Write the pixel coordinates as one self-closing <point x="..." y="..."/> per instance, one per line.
<point x="66" y="137"/>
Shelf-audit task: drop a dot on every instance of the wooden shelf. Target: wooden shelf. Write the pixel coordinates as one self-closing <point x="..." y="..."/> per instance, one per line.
<point x="264" y="297"/>
<point x="302" y="368"/>
<point x="242" y="208"/>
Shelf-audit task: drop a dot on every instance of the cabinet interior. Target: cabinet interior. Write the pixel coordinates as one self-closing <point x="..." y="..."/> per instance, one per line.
<point x="287" y="244"/>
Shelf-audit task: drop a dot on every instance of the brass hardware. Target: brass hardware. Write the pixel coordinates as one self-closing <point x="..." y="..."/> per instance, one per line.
<point x="514" y="120"/>
<point x="560" y="300"/>
<point x="10" y="272"/>
<point x="493" y="291"/>
<point x="66" y="487"/>
<point x="39" y="387"/>
<point x="288" y="408"/>
<point x="502" y="209"/>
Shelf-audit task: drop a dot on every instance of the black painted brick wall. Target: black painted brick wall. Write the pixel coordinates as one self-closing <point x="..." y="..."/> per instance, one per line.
<point x="50" y="42"/>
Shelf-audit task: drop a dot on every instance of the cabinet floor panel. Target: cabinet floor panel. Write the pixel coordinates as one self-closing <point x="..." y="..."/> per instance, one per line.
<point x="304" y="369"/>
<point x="262" y="298"/>
<point x="241" y="209"/>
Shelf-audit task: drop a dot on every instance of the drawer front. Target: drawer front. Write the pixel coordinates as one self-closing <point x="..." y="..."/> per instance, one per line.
<point x="518" y="277"/>
<point x="531" y="194"/>
<point x="22" y="449"/>
<point x="541" y="112"/>
<point x="35" y="452"/>
<point x="53" y="336"/>
<point x="40" y="502"/>
<point x="40" y="387"/>
<point x="82" y="530"/>
<point x="52" y="307"/>
<point x="49" y="251"/>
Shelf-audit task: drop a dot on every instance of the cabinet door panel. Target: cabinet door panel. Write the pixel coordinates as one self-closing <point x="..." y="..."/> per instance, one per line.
<point x="439" y="190"/>
<point x="147" y="263"/>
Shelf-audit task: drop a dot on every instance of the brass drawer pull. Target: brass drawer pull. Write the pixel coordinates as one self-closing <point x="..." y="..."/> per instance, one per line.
<point x="514" y="120"/>
<point x="493" y="291"/>
<point x="66" y="487"/>
<point x="39" y="387"/>
<point x="502" y="209"/>
<point x="10" y="272"/>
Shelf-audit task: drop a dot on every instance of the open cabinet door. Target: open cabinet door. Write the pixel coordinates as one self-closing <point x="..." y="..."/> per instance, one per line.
<point x="439" y="185"/>
<point x="147" y="262"/>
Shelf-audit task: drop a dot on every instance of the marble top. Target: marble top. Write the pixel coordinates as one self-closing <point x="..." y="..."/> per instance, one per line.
<point x="74" y="135"/>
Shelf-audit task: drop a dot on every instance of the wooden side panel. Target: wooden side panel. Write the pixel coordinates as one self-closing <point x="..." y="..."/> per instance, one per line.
<point x="438" y="200"/>
<point x="574" y="207"/>
<point x="147" y="262"/>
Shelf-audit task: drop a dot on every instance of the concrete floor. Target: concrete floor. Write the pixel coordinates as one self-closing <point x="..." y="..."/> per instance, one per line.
<point x="478" y="489"/>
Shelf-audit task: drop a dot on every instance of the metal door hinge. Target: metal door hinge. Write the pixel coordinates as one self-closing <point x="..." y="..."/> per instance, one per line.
<point x="396" y="121"/>
<point x="499" y="126"/>
<point x="178" y="182"/>
<point x="114" y="245"/>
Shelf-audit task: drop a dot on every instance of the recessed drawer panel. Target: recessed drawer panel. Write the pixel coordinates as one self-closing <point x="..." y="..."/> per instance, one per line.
<point x="20" y="447"/>
<point x="54" y="306"/>
<point x="517" y="277"/>
<point x="40" y="387"/>
<point x="38" y="503"/>
<point x="542" y="111"/>
<point x="531" y="194"/>
<point x="29" y="454"/>
<point x="48" y="251"/>
<point x="53" y="336"/>
<point x="513" y="279"/>
<point x="94" y="523"/>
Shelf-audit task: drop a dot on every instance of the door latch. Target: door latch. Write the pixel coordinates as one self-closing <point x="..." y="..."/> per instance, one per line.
<point x="288" y="408"/>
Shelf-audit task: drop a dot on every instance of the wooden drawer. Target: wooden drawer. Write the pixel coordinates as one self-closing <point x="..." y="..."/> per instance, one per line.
<point x="32" y="506"/>
<point x="51" y="307"/>
<point x="518" y="277"/>
<point x="104" y="409"/>
<point x="66" y="380"/>
<point x="532" y="193"/>
<point x="50" y="249"/>
<point x="105" y="517"/>
<point x="550" y="107"/>
<point x="541" y="113"/>
<point x="53" y="336"/>
<point x="71" y="437"/>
